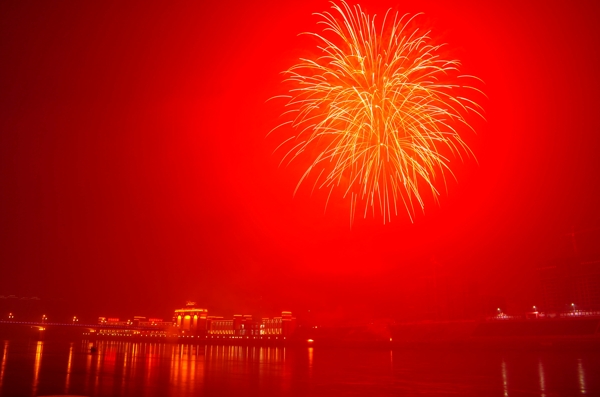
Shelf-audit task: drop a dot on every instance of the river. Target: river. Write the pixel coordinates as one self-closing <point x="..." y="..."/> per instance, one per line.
<point x="42" y="368"/>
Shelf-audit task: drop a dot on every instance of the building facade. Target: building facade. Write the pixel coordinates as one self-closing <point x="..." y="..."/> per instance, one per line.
<point x="192" y="320"/>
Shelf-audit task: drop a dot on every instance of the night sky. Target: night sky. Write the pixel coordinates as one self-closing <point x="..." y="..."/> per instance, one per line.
<point x="136" y="172"/>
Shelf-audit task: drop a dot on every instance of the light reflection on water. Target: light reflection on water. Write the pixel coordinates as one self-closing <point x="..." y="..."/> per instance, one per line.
<point x="581" y="376"/>
<point x="30" y="368"/>
<point x="3" y="364"/>
<point x="542" y="381"/>
<point x="36" y="366"/>
<point x="504" y="379"/>
<point x="68" y="376"/>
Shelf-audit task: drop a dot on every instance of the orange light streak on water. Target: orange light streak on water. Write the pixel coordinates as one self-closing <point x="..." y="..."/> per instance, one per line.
<point x="36" y="366"/>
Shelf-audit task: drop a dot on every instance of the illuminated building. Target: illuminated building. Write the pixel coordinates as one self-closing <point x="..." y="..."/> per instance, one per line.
<point x="219" y="326"/>
<point x="288" y="323"/>
<point x="249" y="326"/>
<point x="191" y="319"/>
<point x="196" y="321"/>
<point x="245" y="325"/>
<point x="110" y="321"/>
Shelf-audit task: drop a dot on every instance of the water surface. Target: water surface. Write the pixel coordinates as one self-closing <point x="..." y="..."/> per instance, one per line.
<point x="37" y="368"/>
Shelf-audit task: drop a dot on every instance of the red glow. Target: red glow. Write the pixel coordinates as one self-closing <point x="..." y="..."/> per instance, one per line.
<point x="136" y="172"/>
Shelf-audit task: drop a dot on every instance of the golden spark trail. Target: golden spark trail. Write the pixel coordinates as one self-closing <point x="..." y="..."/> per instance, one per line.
<point x="383" y="109"/>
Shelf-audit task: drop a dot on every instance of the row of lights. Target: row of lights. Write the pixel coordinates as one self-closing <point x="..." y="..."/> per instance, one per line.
<point x="44" y="318"/>
<point x="535" y="308"/>
<point x="192" y="336"/>
<point x="114" y="334"/>
<point x="75" y="319"/>
<point x="180" y="336"/>
<point x="225" y="337"/>
<point x="119" y="334"/>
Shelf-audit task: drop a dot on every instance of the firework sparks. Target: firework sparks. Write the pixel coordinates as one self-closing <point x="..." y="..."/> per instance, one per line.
<point x="382" y="110"/>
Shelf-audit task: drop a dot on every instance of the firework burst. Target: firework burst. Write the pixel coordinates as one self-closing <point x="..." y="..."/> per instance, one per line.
<point x="379" y="110"/>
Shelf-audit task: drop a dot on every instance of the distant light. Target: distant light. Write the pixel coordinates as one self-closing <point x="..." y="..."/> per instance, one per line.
<point x="310" y="340"/>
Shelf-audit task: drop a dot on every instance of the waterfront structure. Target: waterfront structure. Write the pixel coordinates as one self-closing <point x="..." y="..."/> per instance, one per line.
<point x="190" y="319"/>
<point x="193" y="320"/>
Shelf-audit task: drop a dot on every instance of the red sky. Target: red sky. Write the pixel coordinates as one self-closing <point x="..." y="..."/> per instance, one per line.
<point x="136" y="173"/>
